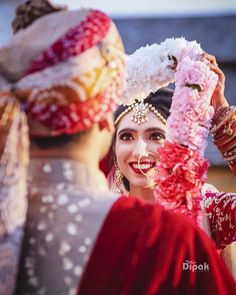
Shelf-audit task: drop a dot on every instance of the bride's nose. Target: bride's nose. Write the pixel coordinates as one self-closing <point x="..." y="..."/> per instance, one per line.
<point x="140" y="149"/>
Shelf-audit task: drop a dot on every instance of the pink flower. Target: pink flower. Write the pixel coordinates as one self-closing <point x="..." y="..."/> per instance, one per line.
<point x="191" y="112"/>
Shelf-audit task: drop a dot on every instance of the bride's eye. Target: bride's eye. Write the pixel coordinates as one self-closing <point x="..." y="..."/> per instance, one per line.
<point x="156" y="136"/>
<point x="126" y="136"/>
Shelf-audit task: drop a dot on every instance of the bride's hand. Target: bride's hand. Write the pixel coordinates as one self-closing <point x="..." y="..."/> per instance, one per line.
<point x="218" y="99"/>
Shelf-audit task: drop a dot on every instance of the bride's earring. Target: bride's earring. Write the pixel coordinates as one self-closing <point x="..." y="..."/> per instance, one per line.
<point x="118" y="179"/>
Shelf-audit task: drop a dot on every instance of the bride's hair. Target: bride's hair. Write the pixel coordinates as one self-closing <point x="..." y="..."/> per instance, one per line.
<point x="161" y="100"/>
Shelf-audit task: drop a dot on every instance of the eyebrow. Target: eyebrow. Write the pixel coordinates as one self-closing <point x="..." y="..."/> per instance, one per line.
<point x="147" y="130"/>
<point x="155" y="129"/>
<point x="126" y="130"/>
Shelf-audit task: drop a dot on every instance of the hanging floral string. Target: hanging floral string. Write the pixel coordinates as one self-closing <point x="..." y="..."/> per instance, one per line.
<point x="182" y="168"/>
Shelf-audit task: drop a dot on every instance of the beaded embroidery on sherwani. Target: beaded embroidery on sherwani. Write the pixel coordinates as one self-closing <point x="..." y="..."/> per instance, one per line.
<point x="67" y="206"/>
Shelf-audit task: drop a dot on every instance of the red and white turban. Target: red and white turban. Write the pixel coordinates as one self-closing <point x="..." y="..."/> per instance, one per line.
<point x="67" y="70"/>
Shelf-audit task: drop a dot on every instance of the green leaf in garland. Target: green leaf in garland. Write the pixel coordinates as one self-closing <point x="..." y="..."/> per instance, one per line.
<point x="194" y="86"/>
<point x="175" y="61"/>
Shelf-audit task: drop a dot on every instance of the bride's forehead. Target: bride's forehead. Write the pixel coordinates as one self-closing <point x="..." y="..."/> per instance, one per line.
<point x="152" y="122"/>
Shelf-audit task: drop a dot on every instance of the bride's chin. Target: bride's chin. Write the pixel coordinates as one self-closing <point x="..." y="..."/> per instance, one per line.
<point x="140" y="184"/>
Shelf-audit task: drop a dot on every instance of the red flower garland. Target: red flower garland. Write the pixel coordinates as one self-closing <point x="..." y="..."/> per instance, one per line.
<point x="181" y="174"/>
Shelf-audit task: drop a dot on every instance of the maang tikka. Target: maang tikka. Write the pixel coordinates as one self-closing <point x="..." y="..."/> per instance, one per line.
<point x="141" y="112"/>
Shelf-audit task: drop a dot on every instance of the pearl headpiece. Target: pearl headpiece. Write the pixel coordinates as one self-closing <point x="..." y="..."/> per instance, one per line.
<point x="141" y="111"/>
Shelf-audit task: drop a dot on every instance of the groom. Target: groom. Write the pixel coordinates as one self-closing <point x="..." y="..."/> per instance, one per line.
<point x="139" y="249"/>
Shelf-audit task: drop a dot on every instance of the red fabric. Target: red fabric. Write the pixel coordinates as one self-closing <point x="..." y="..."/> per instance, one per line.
<point x="70" y="117"/>
<point x="77" y="40"/>
<point x="181" y="175"/>
<point x="81" y="99"/>
<point x="221" y="213"/>
<point x="141" y="250"/>
<point x="104" y="164"/>
<point x="62" y="121"/>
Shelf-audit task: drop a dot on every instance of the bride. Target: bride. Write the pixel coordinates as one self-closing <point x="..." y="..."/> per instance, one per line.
<point x="140" y="128"/>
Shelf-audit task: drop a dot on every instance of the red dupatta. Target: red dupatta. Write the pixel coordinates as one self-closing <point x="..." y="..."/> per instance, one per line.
<point x="143" y="249"/>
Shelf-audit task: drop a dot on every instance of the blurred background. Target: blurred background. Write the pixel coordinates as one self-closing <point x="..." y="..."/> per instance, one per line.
<point x="211" y="23"/>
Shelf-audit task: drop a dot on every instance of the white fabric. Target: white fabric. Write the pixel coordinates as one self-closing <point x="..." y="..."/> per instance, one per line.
<point x="17" y="54"/>
<point x="68" y="203"/>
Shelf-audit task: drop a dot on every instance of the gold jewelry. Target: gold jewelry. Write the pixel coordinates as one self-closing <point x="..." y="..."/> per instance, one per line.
<point x="140" y="115"/>
<point x="224" y="135"/>
<point x="141" y="111"/>
<point x="226" y="114"/>
<point x="228" y="129"/>
<point x="118" y="179"/>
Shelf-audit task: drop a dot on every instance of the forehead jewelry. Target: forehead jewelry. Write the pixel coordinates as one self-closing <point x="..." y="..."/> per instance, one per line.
<point x="141" y="111"/>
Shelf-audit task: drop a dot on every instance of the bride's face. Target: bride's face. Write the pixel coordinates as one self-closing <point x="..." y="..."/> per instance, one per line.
<point x="134" y="142"/>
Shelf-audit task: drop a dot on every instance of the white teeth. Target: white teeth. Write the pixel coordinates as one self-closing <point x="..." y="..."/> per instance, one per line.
<point x="142" y="166"/>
